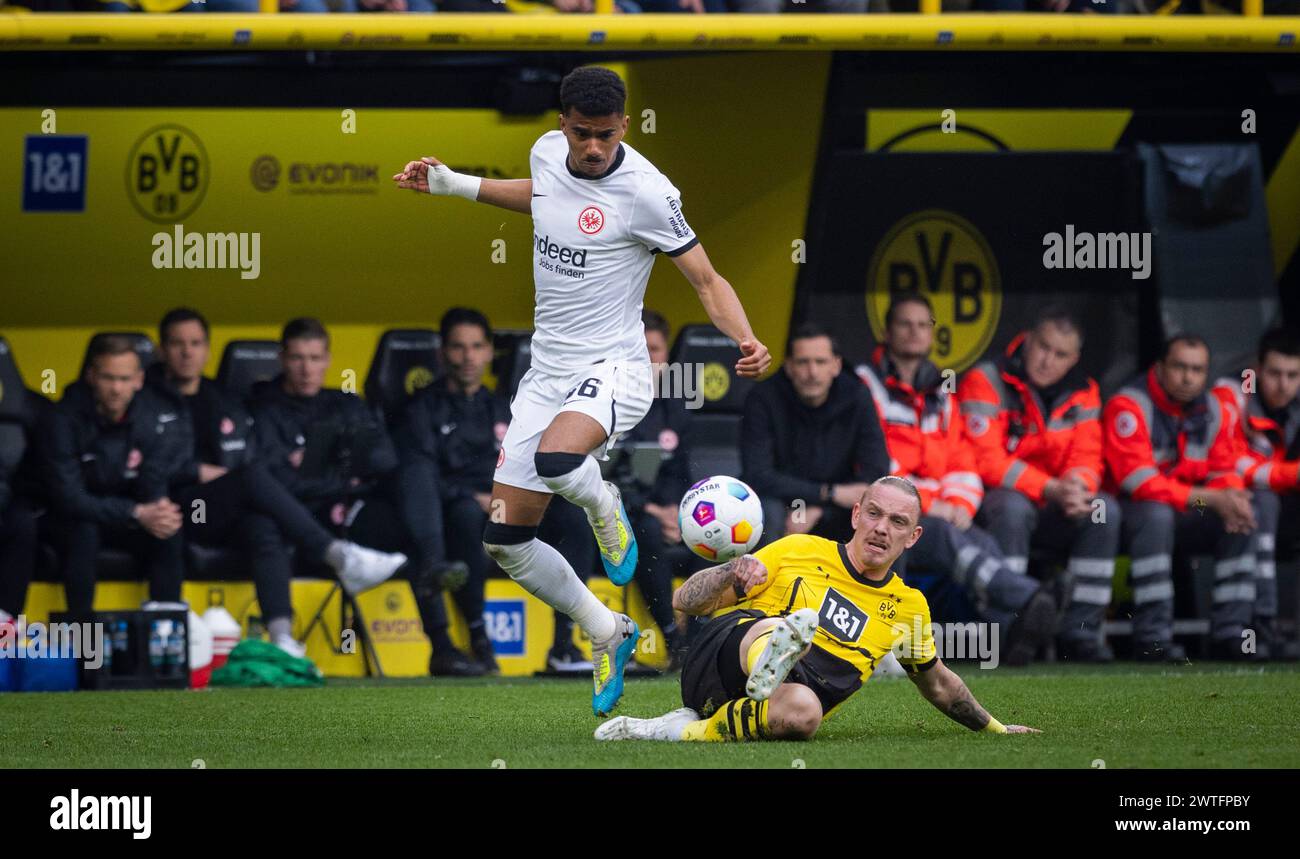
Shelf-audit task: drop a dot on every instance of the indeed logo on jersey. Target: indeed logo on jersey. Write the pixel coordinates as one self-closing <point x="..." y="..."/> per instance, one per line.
<point x="548" y="248"/>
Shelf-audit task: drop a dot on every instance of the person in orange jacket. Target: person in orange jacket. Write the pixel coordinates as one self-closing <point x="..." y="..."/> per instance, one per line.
<point x="1170" y="456"/>
<point x="923" y="431"/>
<point x="1033" y="420"/>
<point x="1265" y="404"/>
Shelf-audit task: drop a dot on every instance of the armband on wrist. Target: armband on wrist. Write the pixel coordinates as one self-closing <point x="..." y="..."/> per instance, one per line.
<point x="994" y="727"/>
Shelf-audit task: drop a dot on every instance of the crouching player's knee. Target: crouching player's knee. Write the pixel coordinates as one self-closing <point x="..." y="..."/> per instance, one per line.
<point x="506" y="545"/>
<point x="794" y="712"/>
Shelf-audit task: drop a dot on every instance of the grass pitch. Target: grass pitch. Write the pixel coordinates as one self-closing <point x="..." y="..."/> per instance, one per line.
<point x="1128" y="716"/>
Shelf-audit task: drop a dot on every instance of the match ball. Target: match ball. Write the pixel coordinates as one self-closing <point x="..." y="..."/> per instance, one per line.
<point x="721" y="518"/>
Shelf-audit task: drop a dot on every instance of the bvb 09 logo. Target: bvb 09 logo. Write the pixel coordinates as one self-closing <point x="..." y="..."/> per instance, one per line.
<point x="167" y="174"/>
<point x="944" y="258"/>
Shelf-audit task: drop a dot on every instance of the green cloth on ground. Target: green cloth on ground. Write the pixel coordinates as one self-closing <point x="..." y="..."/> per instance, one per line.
<point x="257" y="663"/>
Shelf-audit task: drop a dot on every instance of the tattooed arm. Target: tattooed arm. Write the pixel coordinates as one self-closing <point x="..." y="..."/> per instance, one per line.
<point x="719" y="587"/>
<point x="946" y="691"/>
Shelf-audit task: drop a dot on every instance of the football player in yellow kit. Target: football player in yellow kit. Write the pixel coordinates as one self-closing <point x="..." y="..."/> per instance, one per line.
<point x="799" y="626"/>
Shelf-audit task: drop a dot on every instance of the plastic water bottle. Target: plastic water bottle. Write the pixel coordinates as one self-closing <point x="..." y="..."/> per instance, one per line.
<point x="174" y="656"/>
<point x="155" y="645"/>
<point x="120" y="643"/>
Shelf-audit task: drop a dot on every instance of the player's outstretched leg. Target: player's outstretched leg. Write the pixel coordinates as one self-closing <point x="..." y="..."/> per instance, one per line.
<point x="778" y="648"/>
<point x="792" y="713"/>
<point x="667" y="727"/>
<point x="576" y="477"/>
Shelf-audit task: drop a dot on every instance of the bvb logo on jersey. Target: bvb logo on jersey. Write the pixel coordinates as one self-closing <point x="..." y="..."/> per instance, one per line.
<point x="946" y="259"/>
<point x="416" y="378"/>
<point x="715" y="381"/>
<point x="167" y="174"/>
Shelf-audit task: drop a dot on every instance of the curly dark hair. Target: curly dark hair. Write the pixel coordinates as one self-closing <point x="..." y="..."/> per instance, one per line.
<point x="592" y="91"/>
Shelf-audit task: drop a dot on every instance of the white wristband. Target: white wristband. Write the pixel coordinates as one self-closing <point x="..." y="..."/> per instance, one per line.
<point x="446" y="182"/>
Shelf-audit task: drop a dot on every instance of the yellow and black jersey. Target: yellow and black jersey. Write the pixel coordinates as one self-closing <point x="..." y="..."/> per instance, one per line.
<point x="861" y="619"/>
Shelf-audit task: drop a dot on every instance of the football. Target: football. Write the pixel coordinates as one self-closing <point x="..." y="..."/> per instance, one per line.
<point x="721" y="518"/>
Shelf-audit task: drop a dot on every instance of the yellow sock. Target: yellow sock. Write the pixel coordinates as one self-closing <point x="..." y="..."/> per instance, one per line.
<point x="742" y="719"/>
<point x="756" y="650"/>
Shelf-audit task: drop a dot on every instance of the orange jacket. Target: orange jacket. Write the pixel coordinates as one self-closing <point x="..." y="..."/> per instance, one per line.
<point x="1259" y="441"/>
<point x="923" y="431"/>
<point x="1020" y="442"/>
<point x="1157" y="450"/>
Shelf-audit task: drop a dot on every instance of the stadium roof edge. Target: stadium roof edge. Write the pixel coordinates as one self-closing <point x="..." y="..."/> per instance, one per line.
<point x="478" y="32"/>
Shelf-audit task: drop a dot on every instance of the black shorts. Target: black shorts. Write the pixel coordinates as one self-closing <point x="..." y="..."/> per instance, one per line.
<point x="713" y="673"/>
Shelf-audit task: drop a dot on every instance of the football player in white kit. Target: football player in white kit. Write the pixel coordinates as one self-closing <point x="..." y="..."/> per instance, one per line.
<point x="601" y="211"/>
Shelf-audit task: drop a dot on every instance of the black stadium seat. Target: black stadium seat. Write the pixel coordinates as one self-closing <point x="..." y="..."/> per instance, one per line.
<point x="513" y="353"/>
<point x="406" y="360"/>
<point x="143" y="347"/>
<point x="244" y="363"/>
<point x="708" y="357"/>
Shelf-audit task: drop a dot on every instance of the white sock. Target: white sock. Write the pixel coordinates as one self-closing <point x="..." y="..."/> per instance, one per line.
<point x="584" y="487"/>
<point x="280" y="627"/>
<point x="543" y="572"/>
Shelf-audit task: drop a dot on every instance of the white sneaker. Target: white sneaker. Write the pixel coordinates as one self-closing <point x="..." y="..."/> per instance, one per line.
<point x="784" y="647"/>
<point x="290" y="646"/>
<point x="889" y="668"/>
<point x="667" y="727"/>
<point x="364" y="568"/>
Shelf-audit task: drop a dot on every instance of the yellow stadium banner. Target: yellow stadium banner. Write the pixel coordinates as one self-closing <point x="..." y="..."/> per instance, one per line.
<point x="480" y="32"/>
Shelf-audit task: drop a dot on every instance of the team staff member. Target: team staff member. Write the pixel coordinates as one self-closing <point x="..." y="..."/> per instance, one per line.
<point x="1265" y="428"/>
<point x="798" y="628"/>
<point x="811" y="434"/>
<point x="448" y="441"/>
<point x="241" y="501"/>
<point x="923" y="431"/>
<point x="18" y="522"/>
<point x="653" y="507"/>
<point x="328" y="449"/>
<point x="1170" y="456"/>
<point x="105" y="469"/>
<point x="1033" y="418"/>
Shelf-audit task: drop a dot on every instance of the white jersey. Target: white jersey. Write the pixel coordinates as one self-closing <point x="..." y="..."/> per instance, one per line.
<point x="594" y="242"/>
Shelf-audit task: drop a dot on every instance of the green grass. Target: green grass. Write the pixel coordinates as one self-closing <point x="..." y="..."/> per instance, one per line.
<point x="1127" y="716"/>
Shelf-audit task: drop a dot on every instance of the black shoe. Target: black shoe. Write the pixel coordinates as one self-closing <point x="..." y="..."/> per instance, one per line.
<point x="1033" y="629"/>
<point x="1090" y="650"/>
<point x="451" y="575"/>
<point x="454" y="664"/>
<point x="566" y="658"/>
<point x="1159" y="651"/>
<point x="481" y="647"/>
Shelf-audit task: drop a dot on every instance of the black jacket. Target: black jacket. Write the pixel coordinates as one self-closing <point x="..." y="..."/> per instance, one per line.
<point x="21" y="476"/>
<point x="359" y="446"/>
<point x="212" y="427"/>
<point x="789" y="450"/>
<point x="459" y="436"/>
<point x="98" y="471"/>
<point x="667" y="424"/>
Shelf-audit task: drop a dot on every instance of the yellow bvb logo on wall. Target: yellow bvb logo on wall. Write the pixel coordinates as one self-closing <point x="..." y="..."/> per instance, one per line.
<point x="715" y="381"/>
<point x="167" y="173"/>
<point x="944" y="258"/>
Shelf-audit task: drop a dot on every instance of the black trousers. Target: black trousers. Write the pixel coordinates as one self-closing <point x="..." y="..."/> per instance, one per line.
<point x="249" y="508"/>
<point x="17" y="555"/>
<point x="80" y="542"/>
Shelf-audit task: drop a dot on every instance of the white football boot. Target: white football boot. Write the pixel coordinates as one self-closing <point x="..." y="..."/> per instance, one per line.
<point x="784" y="647"/>
<point x="667" y="727"/>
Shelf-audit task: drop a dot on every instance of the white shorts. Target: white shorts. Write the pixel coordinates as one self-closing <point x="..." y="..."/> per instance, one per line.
<point x="615" y="394"/>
